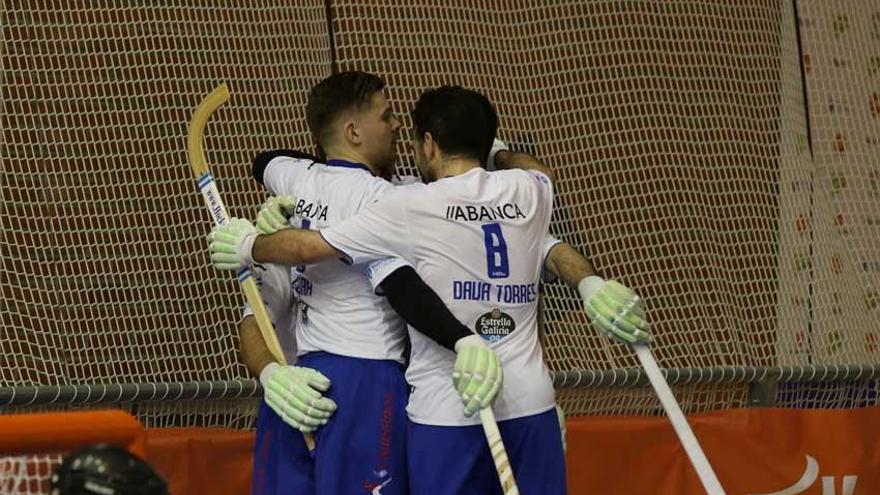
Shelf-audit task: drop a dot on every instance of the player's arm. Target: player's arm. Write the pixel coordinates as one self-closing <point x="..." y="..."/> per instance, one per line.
<point x="274" y="181"/>
<point x="613" y="308"/>
<point x="502" y="158"/>
<point x="274" y="285"/>
<point x="422" y="308"/>
<point x="238" y="243"/>
<point x="569" y="265"/>
<point x="293" y="247"/>
<point x="254" y="350"/>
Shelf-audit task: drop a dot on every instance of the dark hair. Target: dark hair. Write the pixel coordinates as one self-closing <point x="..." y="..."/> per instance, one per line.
<point x="461" y="121"/>
<point x="336" y="94"/>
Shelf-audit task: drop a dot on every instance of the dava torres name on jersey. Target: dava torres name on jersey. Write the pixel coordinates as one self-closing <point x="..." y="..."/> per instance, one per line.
<point x="474" y="290"/>
<point x="472" y="213"/>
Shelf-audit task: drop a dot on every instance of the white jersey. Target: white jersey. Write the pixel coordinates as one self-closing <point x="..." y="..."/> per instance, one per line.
<point x="479" y="240"/>
<point x="274" y="283"/>
<point x="339" y="312"/>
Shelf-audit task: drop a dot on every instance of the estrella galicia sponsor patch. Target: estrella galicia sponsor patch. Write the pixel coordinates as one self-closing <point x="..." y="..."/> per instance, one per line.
<point x="495" y="325"/>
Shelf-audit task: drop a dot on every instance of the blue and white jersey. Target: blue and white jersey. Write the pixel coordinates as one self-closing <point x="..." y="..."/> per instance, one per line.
<point x="339" y="311"/>
<point x="479" y="240"/>
<point x="274" y="283"/>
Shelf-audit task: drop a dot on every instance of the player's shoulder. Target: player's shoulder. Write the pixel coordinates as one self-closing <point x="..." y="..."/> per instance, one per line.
<point x="521" y="174"/>
<point x="280" y="161"/>
<point x="398" y="198"/>
<point x="533" y="179"/>
<point x="354" y="175"/>
<point x="412" y="188"/>
<point x="355" y="188"/>
<point x="391" y="193"/>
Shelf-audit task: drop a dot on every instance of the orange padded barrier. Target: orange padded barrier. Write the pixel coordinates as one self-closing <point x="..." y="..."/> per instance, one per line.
<point x="197" y="461"/>
<point x="22" y="434"/>
<point x="753" y="451"/>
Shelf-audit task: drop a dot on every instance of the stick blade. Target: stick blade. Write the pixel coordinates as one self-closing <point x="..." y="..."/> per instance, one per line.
<point x="200" y="117"/>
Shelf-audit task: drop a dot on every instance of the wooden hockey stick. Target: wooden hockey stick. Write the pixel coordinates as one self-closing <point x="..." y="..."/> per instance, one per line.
<point x="499" y="453"/>
<point x="679" y="422"/>
<point x="217" y="209"/>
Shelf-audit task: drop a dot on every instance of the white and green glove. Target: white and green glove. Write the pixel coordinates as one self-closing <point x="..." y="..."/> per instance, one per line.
<point x="477" y="374"/>
<point x="615" y="310"/>
<point x="231" y="244"/>
<point x="294" y="393"/>
<point x="275" y="213"/>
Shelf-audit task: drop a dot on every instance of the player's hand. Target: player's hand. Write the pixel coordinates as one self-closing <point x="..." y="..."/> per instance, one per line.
<point x="294" y="393"/>
<point x="274" y="214"/>
<point x="497" y="145"/>
<point x="615" y="310"/>
<point x="231" y="244"/>
<point x="477" y="375"/>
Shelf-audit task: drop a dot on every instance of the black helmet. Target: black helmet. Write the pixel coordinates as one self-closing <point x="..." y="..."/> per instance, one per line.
<point x="106" y="470"/>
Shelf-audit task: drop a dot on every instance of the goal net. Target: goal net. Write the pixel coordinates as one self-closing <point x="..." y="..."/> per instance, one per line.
<point x="678" y="130"/>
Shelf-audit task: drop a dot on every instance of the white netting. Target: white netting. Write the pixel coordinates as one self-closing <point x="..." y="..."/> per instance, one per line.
<point x="27" y="474"/>
<point x="663" y="124"/>
<point x="678" y="132"/>
<point x="841" y="44"/>
<point x="677" y="128"/>
<point x="105" y="273"/>
<point x="833" y="220"/>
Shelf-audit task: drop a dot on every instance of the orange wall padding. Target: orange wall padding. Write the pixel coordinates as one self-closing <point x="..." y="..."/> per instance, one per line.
<point x="198" y="461"/>
<point x="753" y="451"/>
<point x="67" y="431"/>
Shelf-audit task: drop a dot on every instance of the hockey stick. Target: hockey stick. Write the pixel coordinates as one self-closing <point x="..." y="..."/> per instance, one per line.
<point x="217" y="209"/>
<point x="499" y="454"/>
<point x="679" y="422"/>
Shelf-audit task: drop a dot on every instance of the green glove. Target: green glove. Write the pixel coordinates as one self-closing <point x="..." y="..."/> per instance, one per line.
<point x="294" y="393"/>
<point x="615" y="310"/>
<point x="231" y="244"/>
<point x="274" y="214"/>
<point x="477" y="374"/>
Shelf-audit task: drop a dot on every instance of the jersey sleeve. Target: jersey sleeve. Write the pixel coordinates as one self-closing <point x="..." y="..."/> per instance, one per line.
<point x="378" y="271"/>
<point x="545" y="189"/>
<point x="373" y="191"/>
<point x="281" y="173"/>
<point x="379" y="231"/>
<point x="549" y="243"/>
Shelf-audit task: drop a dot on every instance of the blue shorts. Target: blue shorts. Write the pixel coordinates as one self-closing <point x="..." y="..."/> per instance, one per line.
<point x="361" y="448"/>
<point x="454" y="460"/>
